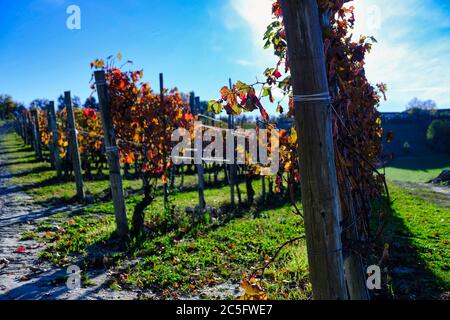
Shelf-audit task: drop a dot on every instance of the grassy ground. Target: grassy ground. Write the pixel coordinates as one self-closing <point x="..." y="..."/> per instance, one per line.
<point x="419" y="168"/>
<point x="180" y="257"/>
<point x="419" y="238"/>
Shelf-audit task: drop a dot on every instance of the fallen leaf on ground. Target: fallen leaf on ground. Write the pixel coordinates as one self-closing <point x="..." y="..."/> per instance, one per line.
<point x="20" y="250"/>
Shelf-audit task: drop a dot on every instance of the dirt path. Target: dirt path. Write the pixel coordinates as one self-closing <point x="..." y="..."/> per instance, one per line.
<point x="439" y="195"/>
<point x="22" y="274"/>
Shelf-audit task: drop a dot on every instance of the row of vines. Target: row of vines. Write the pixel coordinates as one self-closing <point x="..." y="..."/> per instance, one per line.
<point x="144" y="121"/>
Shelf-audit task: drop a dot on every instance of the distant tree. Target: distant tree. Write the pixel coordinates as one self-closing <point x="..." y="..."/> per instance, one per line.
<point x="60" y="102"/>
<point x="427" y="105"/>
<point x="7" y="106"/>
<point x="76" y="102"/>
<point x="91" y="103"/>
<point x="20" y="107"/>
<point x="39" y="103"/>
<point x="438" y="135"/>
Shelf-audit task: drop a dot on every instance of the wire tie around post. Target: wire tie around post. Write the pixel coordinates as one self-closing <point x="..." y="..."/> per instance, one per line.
<point x="325" y="96"/>
<point x="114" y="150"/>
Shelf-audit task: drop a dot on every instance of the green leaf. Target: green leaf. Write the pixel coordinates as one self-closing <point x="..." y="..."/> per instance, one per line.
<point x="242" y="87"/>
<point x="214" y="106"/>
<point x="237" y="110"/>
<point x="267" y="92"/>
<point x="268" y="72"/>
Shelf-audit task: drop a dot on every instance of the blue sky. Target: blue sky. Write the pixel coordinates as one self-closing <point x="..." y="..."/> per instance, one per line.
<point x="199" y="44"/>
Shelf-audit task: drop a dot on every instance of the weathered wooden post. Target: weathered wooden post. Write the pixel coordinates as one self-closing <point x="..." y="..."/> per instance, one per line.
<point x="234" y="182"/>
<point x="50" y="145"/>
<point x="263" y="188"/>
<point x="320" y="193"/>
<point x="29" y="128"/>
<point x="231" y="166"/>
<point x="37" y="134"/>
<point x="113" y="156"/>
<point x="73" y="134"/>
<point x="165" y="186"/>
<point x="198" y="145"/>
<point x="55" y="139"/>
<point x="22" y="127"/>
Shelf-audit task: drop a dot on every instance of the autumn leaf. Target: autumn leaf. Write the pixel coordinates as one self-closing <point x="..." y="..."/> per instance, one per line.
<point x="224" y="92"/>
<point x="129" y="158"/>
<point x="24" y="278"/>
<point x="243" y="88"/>
<point x="277" y="74"/>
<point x="20" y="250"/>
<point x="214" y="106"/>
<point x="252" y="290"/>
<point x="280" y="108"/>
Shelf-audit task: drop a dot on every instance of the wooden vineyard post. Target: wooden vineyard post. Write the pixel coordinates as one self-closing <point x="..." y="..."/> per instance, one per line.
<point x="263" y="188"/>
<point x="55" y="139"/>
<point x="320" y="194"/>
<point x="37" y="135"/>
<point x="198" y="158"/>
<point x="26" y="128"/>
<point x="30" y="131"/>
<point x="113" y="156"/>
<point x="165" y="186"/>
<point x="263" y="178"/>
<point x="22" y="127"/>
<point x="231" y="167"/>
<point x="29" y="125"/>
<point x="50" y="145"/>
<point x="234" y="182"/>
<point x="73" y="142"/>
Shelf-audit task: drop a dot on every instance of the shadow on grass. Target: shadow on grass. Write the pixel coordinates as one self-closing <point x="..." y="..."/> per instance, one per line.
<point x="407" y="276"/>
<point x="421" y="163"/>
<point x="171" y="229"/>
<point x="11" y="162"/>
<point x="26" y="172"/>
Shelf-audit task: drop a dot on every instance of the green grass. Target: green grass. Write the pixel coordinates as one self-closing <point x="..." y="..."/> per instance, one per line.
<point x="38" y="179"/>
<point x="418" y="168"/>
<point x="181" y="258"/>
<point x="223" y="247"/>
<point x="419" y="239"/>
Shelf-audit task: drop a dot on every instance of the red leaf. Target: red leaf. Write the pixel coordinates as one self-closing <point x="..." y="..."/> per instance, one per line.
<point x="277" y="74"/>
<point x="21" y="250"/>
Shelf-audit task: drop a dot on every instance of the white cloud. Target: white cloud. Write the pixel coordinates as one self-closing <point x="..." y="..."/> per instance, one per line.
<point x="256" y="16"/>
<point x="244" y="63"/>
<point x="411" y="55"/>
